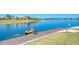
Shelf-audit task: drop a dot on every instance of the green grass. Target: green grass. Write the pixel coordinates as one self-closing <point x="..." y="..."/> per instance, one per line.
<point x="14" y="21"/>
<point x="67" y="38"/>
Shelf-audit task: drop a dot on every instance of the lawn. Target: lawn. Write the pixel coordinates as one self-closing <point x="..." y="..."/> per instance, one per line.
<point x="66" y="38"/>
<point x="14" y="21"/>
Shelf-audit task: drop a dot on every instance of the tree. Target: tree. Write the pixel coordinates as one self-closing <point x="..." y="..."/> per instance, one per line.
<point x="28" y="17"/>
<point x="8" y="16"/>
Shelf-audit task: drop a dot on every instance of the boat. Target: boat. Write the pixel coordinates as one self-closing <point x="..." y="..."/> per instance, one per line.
<point x="29" y="31"/>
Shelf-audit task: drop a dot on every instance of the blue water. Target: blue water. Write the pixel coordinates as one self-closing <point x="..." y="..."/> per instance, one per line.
<point x="8" y="31"/>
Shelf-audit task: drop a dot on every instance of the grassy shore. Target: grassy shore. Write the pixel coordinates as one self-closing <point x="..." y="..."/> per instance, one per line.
<point x="14" y="21"/>
<point x="66" y="38"/>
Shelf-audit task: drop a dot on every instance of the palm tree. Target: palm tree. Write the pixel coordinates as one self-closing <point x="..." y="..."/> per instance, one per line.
<point x="8" y="16"/>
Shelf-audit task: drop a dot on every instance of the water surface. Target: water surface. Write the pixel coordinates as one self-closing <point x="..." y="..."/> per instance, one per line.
<point x="8" y="31"/>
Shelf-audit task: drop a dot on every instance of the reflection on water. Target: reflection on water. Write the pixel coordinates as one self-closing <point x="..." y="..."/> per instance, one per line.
<point x="13" y="30"/>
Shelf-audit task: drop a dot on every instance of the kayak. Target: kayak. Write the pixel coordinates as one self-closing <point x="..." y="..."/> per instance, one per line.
<point x="29" y="31"/>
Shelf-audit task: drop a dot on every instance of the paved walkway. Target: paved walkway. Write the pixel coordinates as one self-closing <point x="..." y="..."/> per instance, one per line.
<point x="76" y="29"/>
<point x="22" y="39"/>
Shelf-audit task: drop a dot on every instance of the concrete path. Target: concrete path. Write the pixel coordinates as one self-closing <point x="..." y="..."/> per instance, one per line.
<point x="22" y="39"/>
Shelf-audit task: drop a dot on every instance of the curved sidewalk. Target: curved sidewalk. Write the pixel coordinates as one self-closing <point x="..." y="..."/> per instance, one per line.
<point x="22" y="39"/>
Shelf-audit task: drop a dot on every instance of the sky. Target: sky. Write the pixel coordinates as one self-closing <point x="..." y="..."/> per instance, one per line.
<point x="45" y="15"/>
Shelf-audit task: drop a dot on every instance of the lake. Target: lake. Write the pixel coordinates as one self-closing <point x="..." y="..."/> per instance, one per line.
<point x="8" y="31"/>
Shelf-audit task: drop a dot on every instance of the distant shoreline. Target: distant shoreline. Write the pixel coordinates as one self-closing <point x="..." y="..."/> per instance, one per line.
<point x="61" y="18"/>
<point x="15" y="21"/>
